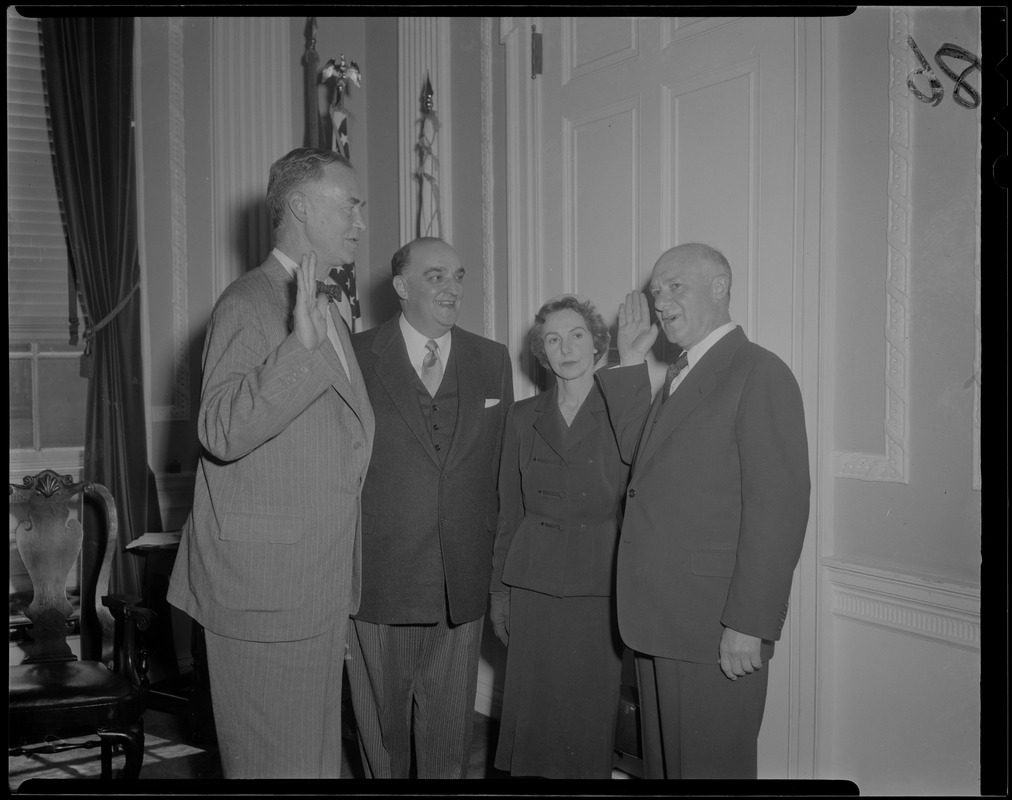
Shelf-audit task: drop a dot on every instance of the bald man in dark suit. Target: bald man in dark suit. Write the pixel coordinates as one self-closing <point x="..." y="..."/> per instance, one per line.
<point x="440" y="395"/>
<point x="715" y="517"/>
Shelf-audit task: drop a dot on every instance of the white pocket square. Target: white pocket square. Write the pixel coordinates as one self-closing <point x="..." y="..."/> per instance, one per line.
<point x="491" y="401"/>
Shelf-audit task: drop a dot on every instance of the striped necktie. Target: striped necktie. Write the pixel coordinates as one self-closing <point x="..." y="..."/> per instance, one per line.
<point x="672" y="373"/>
<point x="432" y="368"/>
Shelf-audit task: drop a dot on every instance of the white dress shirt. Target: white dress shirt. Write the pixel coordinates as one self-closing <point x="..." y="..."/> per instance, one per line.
<point x="697" y="351"/>
<point x="335" y="340"/>
<point x="416" y="341"/>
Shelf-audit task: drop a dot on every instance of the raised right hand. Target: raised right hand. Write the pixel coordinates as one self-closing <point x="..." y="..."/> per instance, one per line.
<point x="636" y="334"/>
<point x="310" y="309"/>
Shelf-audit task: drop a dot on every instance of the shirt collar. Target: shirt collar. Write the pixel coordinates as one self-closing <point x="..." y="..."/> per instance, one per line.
<point x="698" y="350"/>
<point x="415" y="342"/>
<point x="286" y="262"/>
<point x="289" y="264"/>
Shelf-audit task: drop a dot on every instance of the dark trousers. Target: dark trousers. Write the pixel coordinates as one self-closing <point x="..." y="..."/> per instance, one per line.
<point x="696" y="723"/>
<point x="414" y="679"/>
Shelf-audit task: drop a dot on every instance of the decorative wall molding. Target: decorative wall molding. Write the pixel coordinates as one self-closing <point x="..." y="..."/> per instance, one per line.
<point x="424" y="50"/>
<point x="894" y="464"/>
<point x="180" y="407"/>
<point x="487" y="179"/>
<point x="523" y="201"/>
<point x="917" y="605"/>
<point x="251" y="101"/>
<point x="975" y="483"/>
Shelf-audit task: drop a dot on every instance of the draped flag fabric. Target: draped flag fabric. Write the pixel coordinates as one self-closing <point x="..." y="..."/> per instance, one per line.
<point x="339" y="139"/>
<point x="347" y="303"/>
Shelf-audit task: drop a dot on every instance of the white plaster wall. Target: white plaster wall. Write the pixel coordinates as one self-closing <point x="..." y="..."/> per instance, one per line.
<point x="899" y="629"/>
<point x="905" y="713"/>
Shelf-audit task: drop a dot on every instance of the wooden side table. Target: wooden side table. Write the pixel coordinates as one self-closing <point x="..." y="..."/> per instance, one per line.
<point x="175" y="693"/>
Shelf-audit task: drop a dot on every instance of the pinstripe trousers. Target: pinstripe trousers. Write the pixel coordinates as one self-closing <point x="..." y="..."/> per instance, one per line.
<point x="414" y="678"/>
<point x="277" y="705"/>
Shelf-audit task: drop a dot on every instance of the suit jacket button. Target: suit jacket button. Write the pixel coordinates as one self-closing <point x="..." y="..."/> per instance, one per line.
<point x="632" y="492"/>
<point x="358" y="445"/>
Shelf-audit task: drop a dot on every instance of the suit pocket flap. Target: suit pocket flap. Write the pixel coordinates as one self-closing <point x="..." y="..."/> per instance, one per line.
<point x="274" y="528"/>
<point x="715" y="563"/>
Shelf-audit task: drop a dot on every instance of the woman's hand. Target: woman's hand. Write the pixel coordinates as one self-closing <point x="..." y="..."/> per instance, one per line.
<point x="499" y="613"/>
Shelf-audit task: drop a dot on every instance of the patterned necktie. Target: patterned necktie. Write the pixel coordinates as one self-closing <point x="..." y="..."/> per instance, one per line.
<point x="672" y="373"/>
<point x="432" y="368"/>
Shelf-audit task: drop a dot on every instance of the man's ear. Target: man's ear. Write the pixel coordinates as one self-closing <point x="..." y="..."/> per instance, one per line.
<point x="720" y="287"/>
<point x="297" y="203"/>
<point x="401" y="287"/>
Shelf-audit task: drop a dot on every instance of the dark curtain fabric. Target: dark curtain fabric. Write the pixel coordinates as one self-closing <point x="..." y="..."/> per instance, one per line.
<point x="89" y="78"/>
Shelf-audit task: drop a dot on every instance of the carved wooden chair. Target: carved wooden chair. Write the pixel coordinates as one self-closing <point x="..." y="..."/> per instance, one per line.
<point x="54" y="695"/>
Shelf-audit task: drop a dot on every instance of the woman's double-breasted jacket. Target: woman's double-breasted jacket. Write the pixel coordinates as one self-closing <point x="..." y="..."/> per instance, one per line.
<point x="560" y="498"/>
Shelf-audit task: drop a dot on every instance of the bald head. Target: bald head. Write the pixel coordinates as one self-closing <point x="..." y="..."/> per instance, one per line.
<point x="691" y="288"/>
<point x="429" y="280"/>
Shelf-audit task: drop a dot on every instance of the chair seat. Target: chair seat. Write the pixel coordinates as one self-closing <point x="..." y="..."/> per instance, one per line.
<point x="68" y="696"/>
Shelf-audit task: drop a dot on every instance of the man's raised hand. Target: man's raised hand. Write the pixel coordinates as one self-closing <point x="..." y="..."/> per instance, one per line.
<point x="636" y="334"/>
<point x="310" y="309"/>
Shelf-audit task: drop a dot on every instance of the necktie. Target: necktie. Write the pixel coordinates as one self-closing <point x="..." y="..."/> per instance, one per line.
<point x="432" y="368"/>
<point x="672" y="373"/>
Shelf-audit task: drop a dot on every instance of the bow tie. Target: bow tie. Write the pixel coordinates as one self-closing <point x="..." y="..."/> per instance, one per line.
<point x="332" y="290"/>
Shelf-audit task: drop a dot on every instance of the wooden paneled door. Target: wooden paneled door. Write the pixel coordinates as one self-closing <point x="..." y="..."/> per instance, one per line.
<point x="642" y="133"/>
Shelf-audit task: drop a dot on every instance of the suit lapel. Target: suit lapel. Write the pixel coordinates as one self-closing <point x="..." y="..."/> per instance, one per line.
<point x="665" y="418"/>
<point x="470" y="401"/>
<point x="592" y="414"/>
<point x="549" y="424"/>
<point x="395" y="372"/>
<point x="349" y="383"/>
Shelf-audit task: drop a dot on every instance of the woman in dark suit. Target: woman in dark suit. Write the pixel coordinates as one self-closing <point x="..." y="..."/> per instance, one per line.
<point x="561" y="486"/>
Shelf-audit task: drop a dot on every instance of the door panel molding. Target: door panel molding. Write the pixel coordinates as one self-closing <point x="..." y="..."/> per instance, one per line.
<point x="893" y="465"/>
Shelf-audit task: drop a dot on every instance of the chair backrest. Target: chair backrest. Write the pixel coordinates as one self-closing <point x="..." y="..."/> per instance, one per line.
<point x="49" y="542"/>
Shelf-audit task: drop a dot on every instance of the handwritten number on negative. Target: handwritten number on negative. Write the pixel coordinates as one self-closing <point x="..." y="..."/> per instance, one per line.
<point x="954" y="51"/>
<point x="937" y="92"/>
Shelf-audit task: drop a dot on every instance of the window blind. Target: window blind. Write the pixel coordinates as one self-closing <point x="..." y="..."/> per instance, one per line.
<point x="37" y="270"/>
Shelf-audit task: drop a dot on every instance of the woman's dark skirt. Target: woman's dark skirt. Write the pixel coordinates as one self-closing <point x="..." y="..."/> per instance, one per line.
<point x="561" y="696"/>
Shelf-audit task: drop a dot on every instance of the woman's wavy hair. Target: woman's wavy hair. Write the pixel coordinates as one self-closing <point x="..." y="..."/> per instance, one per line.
<point x="595" y="324"/>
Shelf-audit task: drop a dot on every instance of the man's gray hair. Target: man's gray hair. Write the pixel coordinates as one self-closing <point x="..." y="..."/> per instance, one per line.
<point x="293" y="171"/>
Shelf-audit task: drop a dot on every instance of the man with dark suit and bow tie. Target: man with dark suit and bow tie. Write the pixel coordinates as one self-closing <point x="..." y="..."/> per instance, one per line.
<point x="269" y="562"/>
<point x="715" y="517"/>
<point x="440" y="395"/>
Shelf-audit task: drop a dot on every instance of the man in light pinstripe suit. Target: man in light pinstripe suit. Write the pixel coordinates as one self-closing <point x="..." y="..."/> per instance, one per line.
<point x="269" y="561"/>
